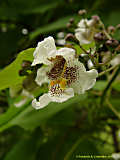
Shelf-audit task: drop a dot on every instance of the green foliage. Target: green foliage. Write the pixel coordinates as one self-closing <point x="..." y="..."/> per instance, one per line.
<point x="85" y="46"/>
<point x="59" y="24"/>
<point x="88" y="124"/>
<point x="10" y="75"/>
<point x="29" y="118"/>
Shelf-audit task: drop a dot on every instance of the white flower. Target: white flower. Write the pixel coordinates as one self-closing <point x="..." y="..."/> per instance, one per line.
<point x="64" y="73"/>
<point x="85" y="31"/>
<point x="115" y="61"/>
<point x="116" y="156"/>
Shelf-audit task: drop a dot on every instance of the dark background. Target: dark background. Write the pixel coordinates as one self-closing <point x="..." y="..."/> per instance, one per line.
<point x="42" y="18"/>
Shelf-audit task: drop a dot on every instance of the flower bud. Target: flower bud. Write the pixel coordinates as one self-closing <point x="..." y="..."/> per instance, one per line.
<point x="112" y="43"/>
<point x="71" y="20"/>
<point x="29" y="83"/>
<point x="118" y="48"/>
<point x="111" y="29"/>
<point x="60" y="35"/>
<point x="68" y="25"/>
<point x="26" y="64"/>
<point x="82" y="12"/>
<point x="70" y="37"/>
<point x="96" y="18"/>
<point x="118" y="26"/>
<point x="100" y="37"/>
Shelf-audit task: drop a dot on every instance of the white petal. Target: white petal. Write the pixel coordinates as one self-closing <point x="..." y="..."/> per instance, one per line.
<point x="91" y="22"/>
<point x="41" y="75"/>
<point x="84" y="22"/>
<point x="68" y="93"/>
<point x="116" y="60"/>
<point x="44" y="100"/>
<point x="43" y="50"/>
<point x="75" y="62"/>
<point x="91" y="79"/>
<point x="116" y="156"/>
<point x="90" y="64"/>
<point x="85" y="79"/>
<point x="84" y="33"/>
<point x="81" y="38"/>
<point x="67" y="53"/>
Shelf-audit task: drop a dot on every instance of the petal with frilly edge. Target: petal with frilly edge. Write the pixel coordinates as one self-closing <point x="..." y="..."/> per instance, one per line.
<point x="45" y="99"/>
<point x="68" y="93"/>
<point x="41" y="75"/>
<point x="43" y="50"/>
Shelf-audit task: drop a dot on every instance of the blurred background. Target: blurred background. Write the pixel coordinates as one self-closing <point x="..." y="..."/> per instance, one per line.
<point x="22" y="24"/>
<point x="25" y="22"/>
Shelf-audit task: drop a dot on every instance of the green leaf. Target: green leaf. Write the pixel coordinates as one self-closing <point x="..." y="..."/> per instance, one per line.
<point x="59" y="24"/>
<point x="100" y="85"/>
<point x="25" y="148"/>
<point x="85" y="46"/>
<point x="10" y="75"/>
<point x="41" y="9"/>
<point x="30" y="118"/>
<point x="116" y="86"/>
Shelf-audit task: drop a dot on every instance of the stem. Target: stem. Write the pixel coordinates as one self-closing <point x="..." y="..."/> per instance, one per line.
<point x="105" y="63"/>
<point x="89" y="54"/>
<point x="115" y="140"/>
<point x="104" y="30"/>
<point x="83" y="49"/>
<point x="108" y="70"/>
<point x="67" y="157"/>
<point x="109" y="84"/>
<point x="112" y="108"/>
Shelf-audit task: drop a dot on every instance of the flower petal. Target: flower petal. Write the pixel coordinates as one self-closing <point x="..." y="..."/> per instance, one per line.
<point x="81" y="38"/>
<point x="68" y="93"/>
<point x="115" y="61"/>
<point x="85" y="31"/>
<point x="85" y="79"/>
<point x="67" y="53"/>
<point x="44" y="100"/>
<point x="91" y="79"/>
<point x="41" y="76"/>
<point x="43" y="50"/>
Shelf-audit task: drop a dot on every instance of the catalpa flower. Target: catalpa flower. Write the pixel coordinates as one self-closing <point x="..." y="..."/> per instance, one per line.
<point x="65" y="75"/>
<point x="85" y="31"/>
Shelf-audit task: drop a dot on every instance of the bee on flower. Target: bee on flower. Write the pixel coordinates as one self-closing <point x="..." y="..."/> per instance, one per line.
<point x="63" y="72"/>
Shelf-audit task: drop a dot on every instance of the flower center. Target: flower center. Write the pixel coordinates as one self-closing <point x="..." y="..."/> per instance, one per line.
<point x="57" y="87"/>
<point x="61" y="75"/>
